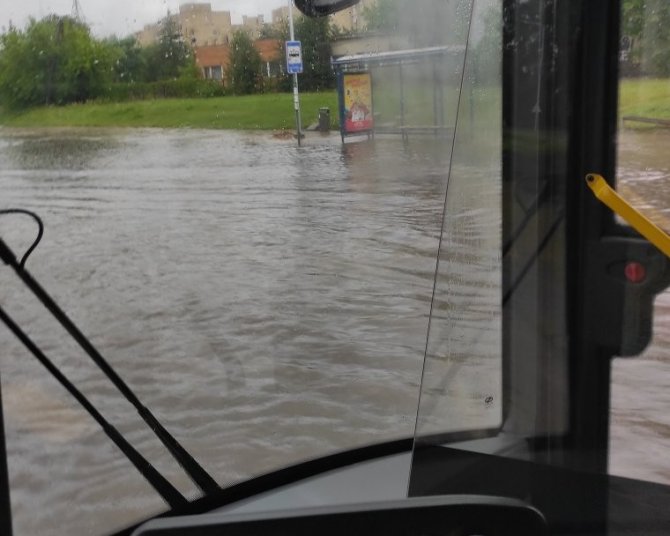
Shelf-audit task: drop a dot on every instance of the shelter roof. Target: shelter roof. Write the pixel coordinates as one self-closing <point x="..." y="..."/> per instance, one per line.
<point x="395" y="57"/>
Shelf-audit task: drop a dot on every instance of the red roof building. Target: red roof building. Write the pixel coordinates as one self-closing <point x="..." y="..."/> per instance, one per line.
<point x="213" y="60"/>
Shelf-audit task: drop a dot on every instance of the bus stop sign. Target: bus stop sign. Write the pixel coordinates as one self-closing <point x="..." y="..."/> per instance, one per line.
<point x="294" y="57"/>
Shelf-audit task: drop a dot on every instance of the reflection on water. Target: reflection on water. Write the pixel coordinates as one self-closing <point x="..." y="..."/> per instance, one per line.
<point x="269" y="303"/>
<point x="56" y="153"/>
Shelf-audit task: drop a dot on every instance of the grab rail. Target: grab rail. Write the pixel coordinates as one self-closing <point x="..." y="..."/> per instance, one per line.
<point x="638" y="221"/>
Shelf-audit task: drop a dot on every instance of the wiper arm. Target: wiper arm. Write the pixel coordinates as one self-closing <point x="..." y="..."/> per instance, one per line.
<point x="157" y="480"/>
<point x="195" y="471"/>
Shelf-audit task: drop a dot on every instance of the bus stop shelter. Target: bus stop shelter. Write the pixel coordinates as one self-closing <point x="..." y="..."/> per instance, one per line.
<point x="398" y="92"/>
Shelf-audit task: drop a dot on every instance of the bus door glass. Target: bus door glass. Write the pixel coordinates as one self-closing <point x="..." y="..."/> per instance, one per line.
<point x="639" y="420"/>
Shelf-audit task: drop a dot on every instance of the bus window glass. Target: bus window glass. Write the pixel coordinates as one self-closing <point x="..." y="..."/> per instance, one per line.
<point x="640" y="423"/>
<point x="267" y="301"/>
<point x="462" y="378"/>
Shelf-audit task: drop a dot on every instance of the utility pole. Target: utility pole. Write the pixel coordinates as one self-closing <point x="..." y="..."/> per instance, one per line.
<point x="296" y="93"/>
<point x="77" y="12"/>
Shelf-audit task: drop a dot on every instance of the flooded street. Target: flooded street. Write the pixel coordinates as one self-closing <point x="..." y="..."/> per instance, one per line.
<point x="269" y="303"/>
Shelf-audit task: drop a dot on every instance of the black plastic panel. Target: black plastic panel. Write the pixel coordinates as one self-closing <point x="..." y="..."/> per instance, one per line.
<point x="573" y="502"/>
<point x="322" y="8"/>
<point x="435" y="516"/>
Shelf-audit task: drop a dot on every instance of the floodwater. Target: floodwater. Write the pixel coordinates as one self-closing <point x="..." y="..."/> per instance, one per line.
<point x="269" y="303"/>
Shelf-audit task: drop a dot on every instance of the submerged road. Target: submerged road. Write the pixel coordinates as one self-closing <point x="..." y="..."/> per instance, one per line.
<point x="269" y="303"/>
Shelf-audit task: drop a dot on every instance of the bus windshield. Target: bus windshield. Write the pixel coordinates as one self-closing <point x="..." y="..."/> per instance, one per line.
<point x="290" y="236"/>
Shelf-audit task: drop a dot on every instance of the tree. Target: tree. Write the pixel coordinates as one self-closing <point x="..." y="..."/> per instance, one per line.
<point x="645" y="23"/>
<point x="316" y="35"/>
<point x="487" y="51"/>
<point x="632" y="25"/>
<point x="655" y="38"/>
<point x="421" y="23"/>
<point x="244" y="71"/>
<point x="632" y="18"/>
<point x="54" y="61"/>
<point x="171" y="57"/>
<point x="381" y="16"/>
<point x="131" y="62"/>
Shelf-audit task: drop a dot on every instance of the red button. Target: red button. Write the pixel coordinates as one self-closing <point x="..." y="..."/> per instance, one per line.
<point x="635" y="272"/>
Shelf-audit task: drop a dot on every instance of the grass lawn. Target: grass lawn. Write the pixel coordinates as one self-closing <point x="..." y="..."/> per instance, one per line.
<point x="254" y="112"/>
<point x="646" y="97"/>
<point x="274" y="111"/>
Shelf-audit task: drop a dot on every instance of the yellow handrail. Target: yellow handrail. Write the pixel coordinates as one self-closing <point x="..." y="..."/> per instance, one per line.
<point x="607" y="195"/>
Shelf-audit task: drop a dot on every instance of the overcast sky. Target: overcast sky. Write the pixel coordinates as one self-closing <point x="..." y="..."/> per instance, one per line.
<point x="122" y="17"/>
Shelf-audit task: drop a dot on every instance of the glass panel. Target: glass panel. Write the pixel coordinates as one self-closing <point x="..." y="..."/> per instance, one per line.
<point x="267" y="302"/>
<point x="462" y="379"/>
<point x="559" y="300"/>
<point x="640" y="426"/>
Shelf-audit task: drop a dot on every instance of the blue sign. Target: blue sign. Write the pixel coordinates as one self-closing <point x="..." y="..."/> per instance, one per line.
<point x="293" y="57"/>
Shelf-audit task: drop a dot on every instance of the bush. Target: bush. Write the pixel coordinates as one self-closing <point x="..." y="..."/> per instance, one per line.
<point x="53" y="61"/>
<point x="164" y="89"/>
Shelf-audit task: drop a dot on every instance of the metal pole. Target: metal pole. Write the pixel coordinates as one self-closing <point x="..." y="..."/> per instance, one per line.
<point x="296" y="93"/>
<point x="402" y="95"/>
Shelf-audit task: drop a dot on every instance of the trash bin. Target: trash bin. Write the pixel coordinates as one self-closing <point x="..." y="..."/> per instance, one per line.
<point x="324" y="119"/>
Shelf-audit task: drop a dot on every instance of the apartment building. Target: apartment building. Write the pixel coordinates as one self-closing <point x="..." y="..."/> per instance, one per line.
<point x="253" y="25"/>
<point x="202" y="27"/>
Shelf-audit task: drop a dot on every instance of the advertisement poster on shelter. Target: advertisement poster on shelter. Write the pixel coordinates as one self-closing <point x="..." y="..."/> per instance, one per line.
<point x="358" y="103"/>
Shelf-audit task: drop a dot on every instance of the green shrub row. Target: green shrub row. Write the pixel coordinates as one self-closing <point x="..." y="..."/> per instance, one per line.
<point x="182" y="88"/>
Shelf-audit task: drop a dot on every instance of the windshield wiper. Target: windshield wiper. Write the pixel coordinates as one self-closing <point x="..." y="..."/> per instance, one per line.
<point x="195" y="471"/>
<point x="171" y="495"/>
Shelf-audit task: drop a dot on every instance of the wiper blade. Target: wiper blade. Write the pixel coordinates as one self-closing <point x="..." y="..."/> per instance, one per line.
<point x="195" y="471"/>
<point x="171" y="495"/>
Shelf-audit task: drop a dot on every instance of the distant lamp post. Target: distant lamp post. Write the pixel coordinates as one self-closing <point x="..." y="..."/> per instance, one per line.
<point x="77" y="12"/>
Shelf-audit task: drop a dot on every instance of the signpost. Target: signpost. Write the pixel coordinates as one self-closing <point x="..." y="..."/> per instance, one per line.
<point x="294" y="66"/>
<point x="294" y="57"/>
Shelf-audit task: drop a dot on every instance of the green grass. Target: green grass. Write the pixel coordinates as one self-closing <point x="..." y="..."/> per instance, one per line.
<point x="645" y="97"/>
<point x="254" y="112"/>
<point x="642" y="97"/>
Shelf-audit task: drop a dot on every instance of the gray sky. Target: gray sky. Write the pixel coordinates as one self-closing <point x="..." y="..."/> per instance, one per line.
<point x="122" y="17"/>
